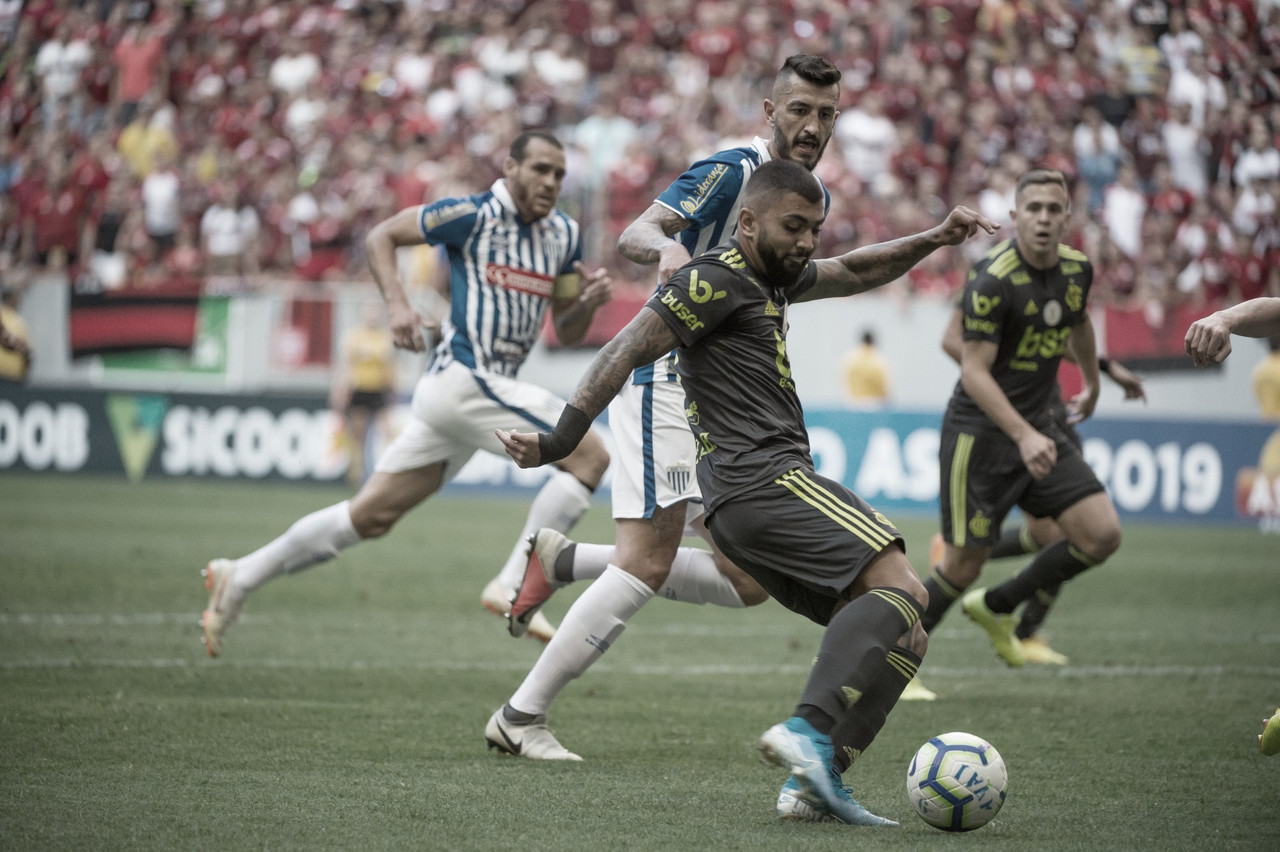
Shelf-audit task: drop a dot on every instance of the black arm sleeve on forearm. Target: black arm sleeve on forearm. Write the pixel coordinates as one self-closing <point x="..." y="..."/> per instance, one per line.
<point x="564" y="439"/>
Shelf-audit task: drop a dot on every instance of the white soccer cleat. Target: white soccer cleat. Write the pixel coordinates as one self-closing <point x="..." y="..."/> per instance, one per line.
<point x="224" y="604"/>
<point x="531" y="740"/>
<point x="498" y="600"/>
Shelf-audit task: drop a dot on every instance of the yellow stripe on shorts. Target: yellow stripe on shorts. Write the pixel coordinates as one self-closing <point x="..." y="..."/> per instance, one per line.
<point x="834" y="508"/>
<point x="959" y="487"/>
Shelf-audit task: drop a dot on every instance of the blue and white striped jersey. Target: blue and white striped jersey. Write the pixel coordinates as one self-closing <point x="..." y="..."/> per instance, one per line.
<point x="709" y="195"/>
<point x="502" y="275"/>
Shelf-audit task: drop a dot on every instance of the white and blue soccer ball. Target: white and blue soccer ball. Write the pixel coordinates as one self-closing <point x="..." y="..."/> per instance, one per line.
<point x="956" y="782"/>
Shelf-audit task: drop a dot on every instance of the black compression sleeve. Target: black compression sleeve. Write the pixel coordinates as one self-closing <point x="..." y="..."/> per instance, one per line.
<point x="568" y="433"/>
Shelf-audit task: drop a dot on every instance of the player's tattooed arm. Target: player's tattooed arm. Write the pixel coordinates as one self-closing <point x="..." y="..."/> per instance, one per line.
<point x="872" y="266"/>
<point x="648" y="240"/>
<point x="646" y="338"/>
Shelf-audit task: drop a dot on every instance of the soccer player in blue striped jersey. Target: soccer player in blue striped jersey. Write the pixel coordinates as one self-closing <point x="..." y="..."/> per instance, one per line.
<point x="512" y="257"/>
<point x="655" y="494"/>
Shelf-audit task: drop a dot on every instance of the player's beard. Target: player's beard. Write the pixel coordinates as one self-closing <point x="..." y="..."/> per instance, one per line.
<point x="781" y="270"/>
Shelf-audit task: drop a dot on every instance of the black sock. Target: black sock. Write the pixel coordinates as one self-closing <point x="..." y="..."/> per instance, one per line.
<point x="942" y="595"/>
<point x="562" y="570"/>
<point x="852" y="655"/>
<point x="1035" y="610"/>
<point x="1016" y="542"/>
<point x="854" y="732"/>
<point x="1053" y="566"/>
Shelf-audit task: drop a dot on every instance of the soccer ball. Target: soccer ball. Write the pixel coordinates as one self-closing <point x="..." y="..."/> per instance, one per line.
<point x="956" y="782"/>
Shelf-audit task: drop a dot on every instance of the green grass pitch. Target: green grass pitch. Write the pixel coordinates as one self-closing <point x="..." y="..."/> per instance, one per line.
<point x="348" y="712"/>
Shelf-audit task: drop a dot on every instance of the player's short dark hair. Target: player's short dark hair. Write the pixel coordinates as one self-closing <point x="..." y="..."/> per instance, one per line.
<point x="520" y="146"/>
<point x="817" y="70"/>
<point x="1037" y="177"/>
<point x="778" y="177"/>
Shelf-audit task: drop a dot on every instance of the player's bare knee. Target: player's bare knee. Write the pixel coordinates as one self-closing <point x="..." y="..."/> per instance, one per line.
<point x="1102" y="542"/>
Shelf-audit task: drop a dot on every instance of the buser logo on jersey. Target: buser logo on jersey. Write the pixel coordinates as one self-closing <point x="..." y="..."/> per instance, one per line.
<point x="682" y="312"/>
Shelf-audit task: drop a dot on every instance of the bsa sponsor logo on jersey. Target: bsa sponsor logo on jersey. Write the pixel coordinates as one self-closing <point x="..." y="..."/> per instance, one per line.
<point x="521" y="280"/>
<point x="435" y="218"/>
<point x="704" y="189"/>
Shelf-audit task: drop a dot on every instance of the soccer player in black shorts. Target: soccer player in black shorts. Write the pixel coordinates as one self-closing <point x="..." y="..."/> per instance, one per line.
<point x="1032" y="536"/>
<point x="815" y="546"/>
<point x="1003" y="443"/>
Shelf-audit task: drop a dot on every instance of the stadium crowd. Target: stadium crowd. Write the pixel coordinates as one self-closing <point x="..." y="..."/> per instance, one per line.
<point x="259" y="139"/>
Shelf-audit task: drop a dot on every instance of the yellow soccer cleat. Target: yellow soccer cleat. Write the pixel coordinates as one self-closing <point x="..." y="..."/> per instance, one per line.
<point x="1036" y="650"/>
<point x="917" y="691"/>
<point x="999" y="627"/>
<point x="1269" y="739"/>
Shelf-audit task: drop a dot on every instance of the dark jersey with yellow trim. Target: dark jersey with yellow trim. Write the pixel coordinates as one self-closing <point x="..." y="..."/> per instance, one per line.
<point x="740" y="399"/>
<point x="1029" y="313"/>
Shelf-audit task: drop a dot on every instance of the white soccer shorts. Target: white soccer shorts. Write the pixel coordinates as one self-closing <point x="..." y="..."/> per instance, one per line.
<point x="454" y="413"/>
<point x="654" y="455"/>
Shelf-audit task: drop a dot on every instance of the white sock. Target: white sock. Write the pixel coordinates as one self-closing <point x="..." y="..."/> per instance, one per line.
<point x="695" y="579"/>
<point x="590" y="560"/>
<point x="558" y="505"/>
<point x="594" y="622"/>
<point x="313" y="539"/>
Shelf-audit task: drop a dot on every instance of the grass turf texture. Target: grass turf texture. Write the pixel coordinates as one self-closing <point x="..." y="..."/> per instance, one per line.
<point x="348" y="711"/>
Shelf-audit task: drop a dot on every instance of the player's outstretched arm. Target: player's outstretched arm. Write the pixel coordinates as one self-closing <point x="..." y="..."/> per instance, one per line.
<point x="649" y="240"/>
<point x="872" y="266"/>
<point x="1208" y="340"/>
<point x="646" y="338"/>
<point x="380" y="244"/>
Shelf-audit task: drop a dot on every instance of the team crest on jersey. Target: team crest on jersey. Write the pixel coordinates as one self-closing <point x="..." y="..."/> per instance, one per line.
<point x="1052" y="312"/>
<point x="678" y="477"/>
<point x="520" y="280"/>
<point x="1075" y="296"/>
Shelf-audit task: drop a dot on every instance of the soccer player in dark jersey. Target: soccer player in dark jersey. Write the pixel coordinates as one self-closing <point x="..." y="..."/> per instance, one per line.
<point x="1002" y="440"/>
<point x="813" y="544"/>
<point x="1036" y="533"/>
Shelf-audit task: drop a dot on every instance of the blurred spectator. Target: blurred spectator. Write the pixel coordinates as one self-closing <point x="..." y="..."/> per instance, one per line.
<point x="868" y="139"/>
<point x="866" y="374"/>
<point x="294" y="69"/>
<point x="55" y="219"/>
<point x="1197" y="86"/>
<point x="161" y="205"/>
<point x="147" y="137"/>
<point x="1186" y="150"/>
<point x="1266" y="381"/>
<point x="1260" y="160"/>
<point x="15" y="345"/>
<point x="1179" y="41"/>
<point x="59" y="64"/>
<point x="113" y="216"/>
<point x="229" y="233"/>
<point x="1146" y="71"/>
<point x="1123" y="209"/>
<point x="1098" y="154"/>
<point x="141" y="70"/>
<point x="604" y="136"/>
<point x="363" y="385"/>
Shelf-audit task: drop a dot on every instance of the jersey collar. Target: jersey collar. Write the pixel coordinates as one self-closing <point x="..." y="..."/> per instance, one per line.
<point x="762" y="145"/>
